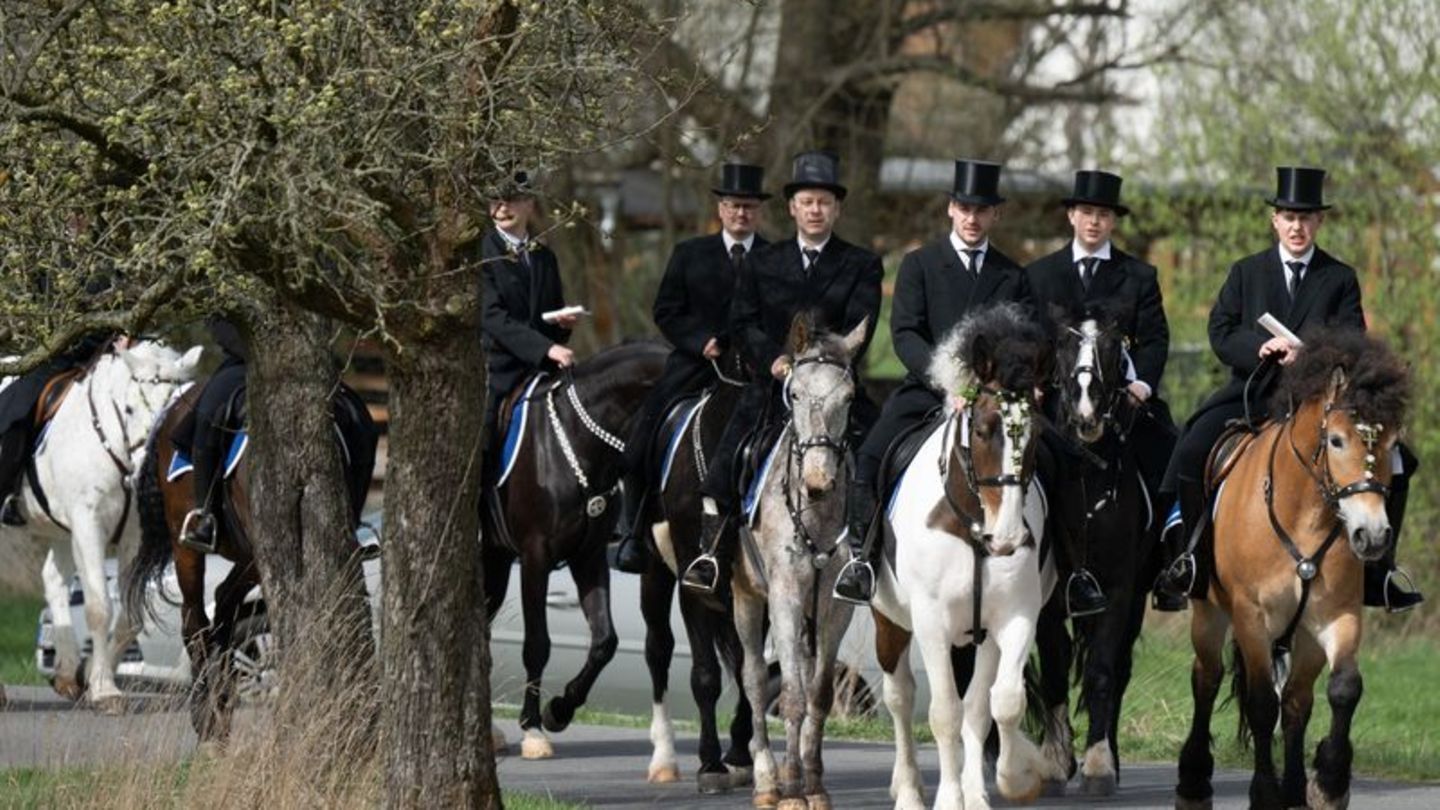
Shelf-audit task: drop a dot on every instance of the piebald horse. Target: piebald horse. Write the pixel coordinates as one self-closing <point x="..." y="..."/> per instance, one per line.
<point x="82" y="506"/>
<point x="962" y="566"/>
<point x="1312" y="478"/>
<point x="787" y="566"/>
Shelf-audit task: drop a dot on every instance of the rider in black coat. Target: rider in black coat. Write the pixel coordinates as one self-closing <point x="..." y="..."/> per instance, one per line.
<point x="1091" y="269"/>
<point x="17" y="416"/>
<point x="1303" y="287"/>
<point x="204" y="432"/>
<point x="816" y="272"/>
<point x="937" y="286"/>
<point x="692" y="310"/>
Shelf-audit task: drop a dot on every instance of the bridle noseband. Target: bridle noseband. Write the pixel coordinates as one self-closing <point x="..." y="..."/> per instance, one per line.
<point x="798" y="447"/>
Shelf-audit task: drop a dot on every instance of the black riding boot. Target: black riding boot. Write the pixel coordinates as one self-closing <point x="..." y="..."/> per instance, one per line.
<point x="1180" y="578"/>
<point x="12" y="466"/>
<point x="856" y="582"/>
<point x="703" y="573"/>
<point x="632" y="557"/>
<point x="1385" y="585"/>
<point x="1083" y="594"/>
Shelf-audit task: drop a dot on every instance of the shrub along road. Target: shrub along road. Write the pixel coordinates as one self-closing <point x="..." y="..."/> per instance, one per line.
<point x="601" y="766"/>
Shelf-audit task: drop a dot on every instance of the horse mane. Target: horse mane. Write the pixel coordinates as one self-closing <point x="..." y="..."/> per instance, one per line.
<point x="598" y="371"/>
<point x="1000" y="344"/>
<point x="1377" y="381"/>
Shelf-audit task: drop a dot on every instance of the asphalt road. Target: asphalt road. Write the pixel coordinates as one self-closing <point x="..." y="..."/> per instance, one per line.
<point x="599" y="766"/>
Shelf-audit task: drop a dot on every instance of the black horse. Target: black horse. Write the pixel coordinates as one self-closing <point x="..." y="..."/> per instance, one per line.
<point x="557" y="507"/>
<point x="688" y="435"/>
<point x="1102" y="511"/>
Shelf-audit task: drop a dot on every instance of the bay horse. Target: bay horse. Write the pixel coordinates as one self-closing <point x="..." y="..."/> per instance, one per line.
<point x="557" y="507"/>
<point x="693" y="429"/>
<point x="165" y="496"/>
<point x="786" y="567"/>
<point x="1317" y="473"/>
<point x="962" y="565"/>
<point x="1104" y="513"/>
<point x="76" y="499"/>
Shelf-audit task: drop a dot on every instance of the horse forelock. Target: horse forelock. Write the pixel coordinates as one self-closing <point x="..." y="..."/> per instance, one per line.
<point x="1001" y="343"/>
<point x="1377" y="381"/>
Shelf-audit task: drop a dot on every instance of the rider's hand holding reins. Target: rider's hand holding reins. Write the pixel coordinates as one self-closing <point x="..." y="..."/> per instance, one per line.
<point x="562" y="355"/>
<point x="781" y="367"/>
<point x="1283" y="350"/>
<point x="712" y="350"/>
<point x="1139" y="391"/>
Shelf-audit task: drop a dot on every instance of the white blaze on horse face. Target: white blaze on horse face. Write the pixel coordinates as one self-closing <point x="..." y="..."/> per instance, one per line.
<point x="1007" y="531"/>
<point x="1084" y="362"/>
<point x="820" y="399"/>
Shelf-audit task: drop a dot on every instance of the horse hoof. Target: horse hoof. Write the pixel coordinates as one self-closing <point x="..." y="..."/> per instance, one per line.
<point x="1098" y="785"/>
<point x="1052" y="788"/>
<point x="741" y="776"/>
<point x="818" y="801"/>
<point x="1182" y="803"/>
<point x="765" y="801"/>
<point x="1317" y="799"/>
<point x="497" y="741"/>
<point x="113" y="706"/>
<point x="68" y="688"/>
<point x="536" y="748"/>
<point x="1019" y="790"/>
<point x="556" y="716"/>
<point x="794" y="803"/>
<point x="711" y="783"/>
<point x="663" y="774"/>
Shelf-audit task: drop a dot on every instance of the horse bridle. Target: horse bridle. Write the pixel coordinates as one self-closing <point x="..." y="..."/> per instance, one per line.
<point x="824" y="441"/>
<point x="1115" y="393"/>
<point x="975" y="527"/>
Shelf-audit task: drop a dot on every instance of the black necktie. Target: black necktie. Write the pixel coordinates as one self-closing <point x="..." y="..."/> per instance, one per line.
<point x="737" y="255"/>
<point x="1297" y="274"/>
<point x="974" y="256"/>
<point x="811" y="256"/>
<point x="1087" y="271"/>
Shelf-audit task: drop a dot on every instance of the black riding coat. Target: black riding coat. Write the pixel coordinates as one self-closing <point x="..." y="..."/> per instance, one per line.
<point x="1329" y="295"/>
<point x="1130" y="285"/>
<point x="692" y="306"/>
<point x="841" y="290"/>
<point x="514" y="297"/>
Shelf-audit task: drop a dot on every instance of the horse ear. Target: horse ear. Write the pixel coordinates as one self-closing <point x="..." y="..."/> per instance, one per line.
<point x="800" y="328"/>
<point x="1337" y="383"/>
<point x="856" y="338"/>
<point x="189" y="360"/>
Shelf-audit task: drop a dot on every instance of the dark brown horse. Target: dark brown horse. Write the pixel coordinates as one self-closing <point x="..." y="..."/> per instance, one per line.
<point x="162" y="507"/>
<point x="1308" y="480"/>
<point x="557" y="507"/>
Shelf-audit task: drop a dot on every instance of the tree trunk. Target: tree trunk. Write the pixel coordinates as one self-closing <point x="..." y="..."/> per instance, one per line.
<point x="435" y="639"/>
<point x="304" y="543"/>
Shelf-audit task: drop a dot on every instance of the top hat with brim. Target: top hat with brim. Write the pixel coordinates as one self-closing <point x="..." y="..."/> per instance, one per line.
<point x="517" y="186"/>
<point x="1097" y="188"/>
<point x="817" y="169"/>
<point x="741" y="180"/>
<point x="977" y="183"/>
<point x="1299" y="189"/>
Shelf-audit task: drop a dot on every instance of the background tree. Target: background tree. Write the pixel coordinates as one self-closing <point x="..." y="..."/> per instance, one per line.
<point x="321" y="157"/>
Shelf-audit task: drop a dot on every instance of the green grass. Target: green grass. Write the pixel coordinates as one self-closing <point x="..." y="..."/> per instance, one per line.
<point x="17" y="639"/>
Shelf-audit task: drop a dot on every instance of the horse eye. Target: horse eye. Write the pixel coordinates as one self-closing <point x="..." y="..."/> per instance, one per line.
<point x="1337" y="442"/>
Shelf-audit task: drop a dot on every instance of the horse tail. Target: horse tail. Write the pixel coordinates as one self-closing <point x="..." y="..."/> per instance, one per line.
<point x="1240" y="694"/>
<point x="359" y="437"/>
<point x="155" y="551"/>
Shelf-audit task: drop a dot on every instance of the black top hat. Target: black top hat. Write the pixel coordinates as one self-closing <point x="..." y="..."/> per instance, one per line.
<point x="817" y="169"/>
<point x="977" y="183"/>
<point x="741" y="180"/>
<point x="514" y="187"/>
<point x="1299" y="189"/>
<point x="1097" y="188"/>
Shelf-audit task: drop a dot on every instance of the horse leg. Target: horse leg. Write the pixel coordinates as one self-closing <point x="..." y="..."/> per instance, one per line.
<point x="705" y="683"/>
<point x="1208" y="626"/>
<point x="1125" y="665"/>
<point x="219" y="696"/>
<point x="821" y="697"/>
<point x="1052" y="638"/>
<point x="656" y="590"/>
<point x="1018" y="771"/>
<point x="742" y="726"/>
<point x="1331" y="786"/>
<point x="946" y="712"/>
<point x="750" y="626"/>
<point x="892" y="648"/>
<point x="787" y="629"/>
<point x="535" y="653"/>
<point x="592" y="579"/>
<point x="1107" y="638"/>
<point x="497" y="563"/>
<point x="59" y="567"/>
<point x="1261" y="706"/>
<point x="1295" y="704"/>
<point x="87" y="544"/>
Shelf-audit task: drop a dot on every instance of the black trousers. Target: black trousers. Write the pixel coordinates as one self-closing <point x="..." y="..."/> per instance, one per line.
<point x="681" y="378"/>
<point x="748" y="415"/>
<point x="209" y="438"/>
<point x="909" y="405"/>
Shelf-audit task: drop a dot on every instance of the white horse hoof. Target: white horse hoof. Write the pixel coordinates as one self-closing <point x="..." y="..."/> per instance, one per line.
<point x="765" y="801"/>
<point x="112" y="706"/>
<point x="498" y="742"/>
<point x="818" y="801"/>
<point x="536" y="748"/>
<point x="663" y="774"/>
<point x="909" y="799"/>
<point x="1098" y="785"/>
<point x="741" y="776"/>
<point x="1317" y="799"/>
<point x="797" y="803"/>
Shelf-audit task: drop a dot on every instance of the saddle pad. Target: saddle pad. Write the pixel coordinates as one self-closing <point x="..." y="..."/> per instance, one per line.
<point x="181" y="464"/>
<point x="750" y="505"/>
<point x="688" y="409"/>
<point x="898" y="457"/>
<point x="515" y="434"/>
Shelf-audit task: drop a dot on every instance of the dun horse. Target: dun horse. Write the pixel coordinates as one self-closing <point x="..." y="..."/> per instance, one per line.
<point x="1103" y="508"/>
<point x="961" y="566"/>
<point x="557" y="506"/>
<point x="1311" y="480"/>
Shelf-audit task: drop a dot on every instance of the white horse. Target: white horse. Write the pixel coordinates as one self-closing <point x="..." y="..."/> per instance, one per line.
<point x="961" y="566"/>
<point x="84" y="462"/>
<point x="791" y="567"/>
